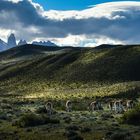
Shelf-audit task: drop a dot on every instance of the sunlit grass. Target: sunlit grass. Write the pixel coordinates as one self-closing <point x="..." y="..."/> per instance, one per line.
<point x="82" y="93"/>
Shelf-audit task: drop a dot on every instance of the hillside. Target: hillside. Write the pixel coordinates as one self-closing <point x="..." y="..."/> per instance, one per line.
<point x="32" y="75"/>
<point x="36" y="69"/>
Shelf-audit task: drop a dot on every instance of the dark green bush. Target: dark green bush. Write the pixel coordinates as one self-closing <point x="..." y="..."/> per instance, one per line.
<point x="34" y="120"/>
<point x="132" y="116"/>
<point x="30" y="120"/>
<point x="52" y="121"/>
<point x="41" y="110"/>
<point x="121" y="136"/>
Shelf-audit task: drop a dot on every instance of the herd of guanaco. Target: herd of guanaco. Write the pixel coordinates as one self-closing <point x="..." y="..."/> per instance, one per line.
<point x="119" y="106"/>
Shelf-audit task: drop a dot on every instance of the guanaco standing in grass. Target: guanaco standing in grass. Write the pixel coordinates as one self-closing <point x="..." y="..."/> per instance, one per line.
<point x="68" y="106"/>
<point x="49" y="108"/>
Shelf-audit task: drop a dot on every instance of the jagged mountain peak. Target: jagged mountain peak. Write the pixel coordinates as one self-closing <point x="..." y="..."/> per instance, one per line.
<point x="44" y="43"/>
<point x="11" y="41"/>
<point x="22" y="42"/>
<point x="3" y="45"/>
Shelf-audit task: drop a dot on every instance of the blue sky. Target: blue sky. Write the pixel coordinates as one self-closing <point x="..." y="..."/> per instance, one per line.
<point x="71" y="4"/>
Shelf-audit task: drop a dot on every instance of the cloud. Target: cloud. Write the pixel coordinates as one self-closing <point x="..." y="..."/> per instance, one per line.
<point x="14" y="1"/>
<point x="115" y="23"/>
<point x="84" y="40"/>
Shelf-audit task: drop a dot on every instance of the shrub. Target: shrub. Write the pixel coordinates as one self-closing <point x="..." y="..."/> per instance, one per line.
<point x="67" y="119"/>
<point x="73" y="135"/>
<point x="77" y="137"/>
<point x="73" y="127"/>
<point x="86" y="129"/>
<point x="41" y="110"/>
<point x="132" y="116"/>
<point x="52" y="121"/>
<point x="3" y="116"/>
<point x="29" y="120"/>
<point x="122" y="136"/>
<point x="34" y="120"/>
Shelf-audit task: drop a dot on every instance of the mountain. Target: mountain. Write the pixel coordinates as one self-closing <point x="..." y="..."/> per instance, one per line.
<point x="3" y="45"/>
<point x="11" y="41"/>
<point x="43" y="43"/>
<point x="22" y="42"/>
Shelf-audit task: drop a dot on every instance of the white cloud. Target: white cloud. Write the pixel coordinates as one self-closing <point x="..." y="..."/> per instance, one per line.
<point x="83" y="40"/>
<point x="75" y="40"/>
<point x="14" y="1"/>
<point x="96" y="11"/>
<point x="5" y="33"/>
<point x="107" y="23"/>
<point x="102" y="40"/>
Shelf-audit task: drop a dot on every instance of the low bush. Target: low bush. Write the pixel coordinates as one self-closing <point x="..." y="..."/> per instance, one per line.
<point x="41" y="110"/>
<point x="34" y="120"/>
<point x="132" y="116"/>
<point x="72" y="135"/>
<point x="121" y="136"/>
<point x="3" y="116"/>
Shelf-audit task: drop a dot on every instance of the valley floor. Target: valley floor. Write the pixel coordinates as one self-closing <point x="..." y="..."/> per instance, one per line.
<point x="99" y="125"/>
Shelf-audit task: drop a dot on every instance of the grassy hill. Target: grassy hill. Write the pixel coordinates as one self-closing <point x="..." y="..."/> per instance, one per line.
<point x="31" y="75"/>
<point x="76" y="71"/>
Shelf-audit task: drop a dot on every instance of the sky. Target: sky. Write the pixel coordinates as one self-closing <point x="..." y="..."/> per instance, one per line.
<point x="70" y="4"/>
<point x="86" y="23"/>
